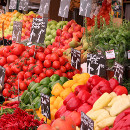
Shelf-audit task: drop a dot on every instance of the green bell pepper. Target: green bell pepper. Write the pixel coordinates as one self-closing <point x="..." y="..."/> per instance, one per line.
<point x="30" y="85"/>
<point x="34" y="95"/>
<point x="45" y="91"/>
<point x="54" y="77"/>
<point x="23" y="95"/>
<point x="27" y="98"/>
<point x="38" y="90"/>
<point x="33" y="88"/>
<point x="63" y="79"/>
<point x="45" y="81"/>
<point x="37" y="102"/>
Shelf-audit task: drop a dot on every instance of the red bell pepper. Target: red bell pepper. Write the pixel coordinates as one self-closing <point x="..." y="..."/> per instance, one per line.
<point x="76" y="117"/>
<point x="66" y="113"/>
<point x="68" y="98"/>
<point x="83" y="95"/>
<point x="113" y="83"/>
<point x="84" y="108"/>
<point x="73" y="104"/>
<point x="119" y="90"/>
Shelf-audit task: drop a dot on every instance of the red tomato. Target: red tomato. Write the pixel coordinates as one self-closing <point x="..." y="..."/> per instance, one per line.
<point x="2" y="61"/>
<point x="44" y="70"/>
<point x="23" y="86"/>
<point x="16" y="68"/>
<point x="33" y="47"/>
<point x="64" y="74"/>
<point x="39" y="49"/>
<point x="34" y="76"/>
<point x="6" y="93"/>
<point x="47" y="51"/>
<point x="54" y="57"/>
<point x="17" y="49"/>
<point x="8" y="71"/>
<point x="27" y="75"/>
<point x="49" y="72"/>
<point x="5" y="79"/>
<point x="63" y="69"/>
<point x="39" y="63"/>
<point x="25" y="54"/>
<point x="31" y="68"/>
<point x="48" y="57"/>
<point x="21" y="75"/>
<point x="59" y="72"/>
<point x="62" y="60"/>
<point x="1" y="51"/>
<point x="47" y="63"/>
<point x="11" y="58"/>
<point x="31" y="52"/>
<point x="7" y="51"/>
<point x="16" y="82"/>
<point x="69" y="75"/>
<point x="77" y="71"/>
<point x="23" y="61"/>
<point x="68" y="66"/>
<point x="119" y="90"/>
<point x="60" y="53"/>
<point x="6" y="85"/>
<point x="25" y="68"/>
<point x="42" y="75"/>
<point x="6" y="65"/>
<point x="37" y="70"/>
<point x="41" y="56"/>
<point x="14" y="95"/>
<point x="31" y="60"/>
<point x="38" y="79"/>
<point x="56" y="65"/>
<point x="29" y="81"/>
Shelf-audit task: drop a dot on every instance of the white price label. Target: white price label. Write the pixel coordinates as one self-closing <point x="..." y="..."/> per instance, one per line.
<point x="110" y="54"/>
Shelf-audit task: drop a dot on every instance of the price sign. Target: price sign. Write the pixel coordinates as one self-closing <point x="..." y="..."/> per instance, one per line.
<point x="64" y="8"/>
<point x="118" y="72"/>
<point x="96" y="64"/>
<point x="44" y="7"/>
<point x="23" y="5"/>
<point x="45" y="106"/>
<point x="129" y="54"/>
<point x="2" y="75"/>
<point x="86" y="122"/>
<point x="38" y="30"/>
<point x="17" y="30"/>
<point x="110" y="54"/>
<point x="75" y="58"/>
<point x="13" y="4"/>
<point x="85" y="8"/>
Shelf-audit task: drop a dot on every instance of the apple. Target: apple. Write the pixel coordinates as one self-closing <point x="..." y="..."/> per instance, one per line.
<point x="71" y="30"/>
<point x="65" y="28"/>
<point x="53" y="26"/>
<point x="13" y="19"/>
<point x="48" y="31"/>
<point x="52" y="31"/>
<point x="57" y="38"/>
<point x="75" y="38"/>
<point x="52" y="40"/>
<point x="68" y="35"/>
<point x="49" y="37"/>
<point x="77" y="28"/>
<point x="54" y="34"/>
<point x="25" y="18"/>
<point x="47" y="43"/>
<point x="58" y="32"/>
<point x="79" y="34"/>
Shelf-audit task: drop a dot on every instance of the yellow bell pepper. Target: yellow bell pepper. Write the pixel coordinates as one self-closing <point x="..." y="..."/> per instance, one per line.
<point x="57" y="101"/>
<point x="60" y="104"/>
<point x="52" y="107"/>
<point x="53" y="114"/>
<point x="75" y="85"/>
<point x="65" y="93"/>
<point x="52" y="99"/>
<point x="76" y="77"/>
<point x="57" y="89"/>
<point x="69" y="84"/>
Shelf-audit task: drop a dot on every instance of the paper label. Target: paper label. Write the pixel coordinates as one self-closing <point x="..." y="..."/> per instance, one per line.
<point x="110" y="54"/>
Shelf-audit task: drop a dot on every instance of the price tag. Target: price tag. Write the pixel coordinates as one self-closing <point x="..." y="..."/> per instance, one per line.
<point x="45" y="106"/>
<point x="85" y="8"/>
<point x="2" y="75"/>
<point x="129" y="54"/>
<point x="13" y="4"/>
<point x="118" y="72"/>
<point x="64" y="8"/>
<point x="44" y="7"/>
<point x="38" y="30"/>
<point x="23" y="5"/>
<point x="110" y="54"/>
<point x="75" y="58"/>
<point x="86" y="122"/>
<point x="96" y="64"/>
<point x="17" y="30"/>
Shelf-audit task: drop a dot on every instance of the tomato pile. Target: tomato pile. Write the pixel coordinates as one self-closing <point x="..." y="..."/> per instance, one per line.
<point x="19" y="61"/>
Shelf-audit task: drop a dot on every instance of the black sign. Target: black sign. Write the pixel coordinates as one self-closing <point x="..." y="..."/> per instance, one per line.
<point x="96" y="64"/>
<point x="38" y="30"/>
<point x="64" y="8"/>
<point x="118" y="72"/>
<point x="75" y="58"/>
<point x="13" y="4"/>
<point x="17" y="30"/>
<point x="86" y="122"/>
<point x="23" y="5"/>
<point x="2" y="75"/>
<point x="45" y="106"/>
<point x="85" y="8"/>
<point x="44" y="7"/>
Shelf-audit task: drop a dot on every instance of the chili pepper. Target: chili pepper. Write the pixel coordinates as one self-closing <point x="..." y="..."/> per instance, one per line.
<point x="83" y="95"/>
<point x="68" y="98"/>
<point x="73" y="103"/>
<point x="119" y="90"/>
<point x="113" y="83"/>
<point x="54" y="77"/>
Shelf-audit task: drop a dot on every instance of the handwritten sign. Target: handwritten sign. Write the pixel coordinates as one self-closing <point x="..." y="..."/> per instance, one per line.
<point x="38" y="30"/>
<point x="86" y="122"/>
<point x="64" y="8"/>
<point x="13" y="4"/>
<point x="118" y="72"/>
<point x="75" y="58"/>
<point x="17" y="30"/>
<point x="2" y="75"/>
<point x="96" y="64"/>
<point x="45" y="105"/>
<point x="85" y="8"/>
<point x="110" y="54"/>
<point x="23" y="5"/>
<point x="44" y="7"/>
